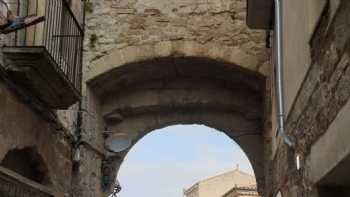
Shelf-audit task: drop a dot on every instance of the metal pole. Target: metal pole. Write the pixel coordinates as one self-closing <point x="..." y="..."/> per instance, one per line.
<point x="279" y="74"/>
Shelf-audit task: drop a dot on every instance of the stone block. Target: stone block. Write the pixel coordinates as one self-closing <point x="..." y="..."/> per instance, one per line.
<point x="163" y="49"/>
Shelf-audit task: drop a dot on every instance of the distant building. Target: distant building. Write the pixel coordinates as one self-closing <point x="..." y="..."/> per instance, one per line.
<point x="228" y="184"/>
<point x="242" y="192"/>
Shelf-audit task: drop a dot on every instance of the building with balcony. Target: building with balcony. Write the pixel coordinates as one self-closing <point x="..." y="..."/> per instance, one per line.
<point x="40" y="74"/>
<point x="150" y="64"/>
<point x="46" y="59"/>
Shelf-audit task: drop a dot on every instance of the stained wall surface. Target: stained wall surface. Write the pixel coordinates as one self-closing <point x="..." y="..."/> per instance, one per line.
<point x="117" y="24"/>
<point x="24" y="123"/>
<point x="21" y="127"/>
<point x="120" y="33"/>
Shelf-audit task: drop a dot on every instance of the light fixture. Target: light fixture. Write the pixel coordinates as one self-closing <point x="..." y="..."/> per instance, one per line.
<point x="117" y="142"/>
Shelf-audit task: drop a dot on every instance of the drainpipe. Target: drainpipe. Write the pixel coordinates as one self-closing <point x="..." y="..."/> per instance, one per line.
<point x="279" y="74"/>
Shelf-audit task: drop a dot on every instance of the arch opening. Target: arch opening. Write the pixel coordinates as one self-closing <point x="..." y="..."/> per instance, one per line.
<point x="139" y="97"/>
<point x="179" y="156"/>
<point x="28" y="163"/>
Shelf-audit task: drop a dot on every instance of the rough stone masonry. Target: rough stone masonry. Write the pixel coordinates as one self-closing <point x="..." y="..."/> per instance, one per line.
<point x="116" y="24"/>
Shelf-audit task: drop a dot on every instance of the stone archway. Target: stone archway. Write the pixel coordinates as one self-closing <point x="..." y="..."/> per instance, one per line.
<point x="179" y="157"/>
<point x="121" y="56"/>
<point x="147" y="94"/>
<point x="251" y="141"/>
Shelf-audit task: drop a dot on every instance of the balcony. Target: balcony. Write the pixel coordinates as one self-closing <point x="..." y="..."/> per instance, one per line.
<point x="15" y="185"/>
<point x="46" y="59"/>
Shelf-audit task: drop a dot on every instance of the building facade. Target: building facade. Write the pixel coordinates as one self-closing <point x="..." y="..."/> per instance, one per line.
<point x="150" y="64"/>
<point x="221" y="185"/>
<point x="242" y="192"/>
<point x="190" y="39"/>
<point x="39" y="93"/>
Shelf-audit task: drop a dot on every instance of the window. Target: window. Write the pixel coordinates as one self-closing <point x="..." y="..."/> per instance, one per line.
<point x="28" y="163"/>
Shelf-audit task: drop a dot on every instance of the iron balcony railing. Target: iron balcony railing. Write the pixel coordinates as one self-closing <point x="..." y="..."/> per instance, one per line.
<point x="61" y="34"/>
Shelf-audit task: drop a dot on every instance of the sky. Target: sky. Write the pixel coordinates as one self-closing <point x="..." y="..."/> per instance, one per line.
<point x="168" y="160"/>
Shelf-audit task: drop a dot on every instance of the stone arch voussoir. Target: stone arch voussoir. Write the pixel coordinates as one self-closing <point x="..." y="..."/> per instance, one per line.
<point x="138" y="89"/>
<point x="119" y="57"/>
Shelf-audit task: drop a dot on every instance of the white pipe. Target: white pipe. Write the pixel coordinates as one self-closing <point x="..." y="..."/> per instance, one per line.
<point x="279" y="74"/>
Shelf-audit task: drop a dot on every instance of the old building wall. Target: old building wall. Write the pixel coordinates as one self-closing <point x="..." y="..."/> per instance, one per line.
<point x="316" y="58"/>
<point x="116" y="24"/>
<point x="25" y="123"/>
<point x="317" y="118"/>
<point x="122" y="32"/>
<point x="302" y="16"/>
<point x="89" y="179"/>
<point x="21" y="127"/>
<point x="157" y="94"/>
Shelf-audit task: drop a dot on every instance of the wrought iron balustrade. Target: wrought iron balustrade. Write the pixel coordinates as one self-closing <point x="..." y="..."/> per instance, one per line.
<point x="61" y="35"/>
<point x="50" y="52"/>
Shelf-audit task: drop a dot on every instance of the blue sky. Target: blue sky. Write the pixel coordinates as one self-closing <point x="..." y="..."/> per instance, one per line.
<point x="168" y="160"/>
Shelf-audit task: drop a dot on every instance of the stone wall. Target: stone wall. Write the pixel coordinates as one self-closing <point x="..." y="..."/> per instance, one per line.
<point x="321" y="97"/>
<point x="21" y="127"/>
<point x="88" y="182"/>
<point x="120" y="32"/>
<point x="116" y="24"/>
<point x="321" y="89"/>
